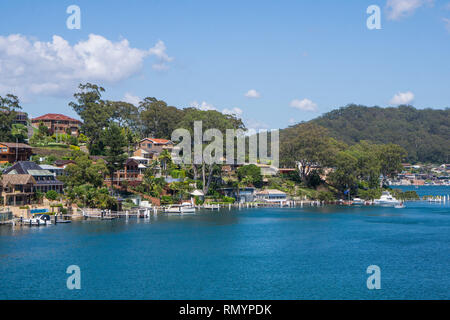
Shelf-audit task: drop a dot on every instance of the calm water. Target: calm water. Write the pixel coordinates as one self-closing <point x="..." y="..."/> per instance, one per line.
<point x="309" y="253"/>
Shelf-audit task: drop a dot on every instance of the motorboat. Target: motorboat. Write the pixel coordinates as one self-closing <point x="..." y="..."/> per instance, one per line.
<point x="399" y="206"/>
<point x="386" y="199"/>
<point x="184" y="208"/>
<point x="38" y="220"/>
<point x="358" y="201"/>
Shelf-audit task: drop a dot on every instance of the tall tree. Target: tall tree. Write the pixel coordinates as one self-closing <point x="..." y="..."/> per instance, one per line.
<point x="115" y="144"/>
<point x="308" y="146"/>
<point x="95" y="113"/>
<point x="158" y="120"/>
<point x="9" y="105"/>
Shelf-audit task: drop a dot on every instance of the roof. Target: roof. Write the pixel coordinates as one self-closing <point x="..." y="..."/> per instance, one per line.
<point x="22" y="167"/>
<point x="17" y="179"/>
<point x="271" y="191"/>
<point x="55" y="116"/>
<point x="63" y="162"/>
<point x="157" y="141"/>
<point x="14" y="145"/>
<point x="49" y="167"/>
<point x="40" y="173"/>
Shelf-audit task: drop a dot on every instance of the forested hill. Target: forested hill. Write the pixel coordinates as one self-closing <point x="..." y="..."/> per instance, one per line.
<point x="425" y="134"/>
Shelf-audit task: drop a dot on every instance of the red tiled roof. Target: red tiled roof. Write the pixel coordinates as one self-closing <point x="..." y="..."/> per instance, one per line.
<point x="55" y="116"/>
<point x="157" y="141"/>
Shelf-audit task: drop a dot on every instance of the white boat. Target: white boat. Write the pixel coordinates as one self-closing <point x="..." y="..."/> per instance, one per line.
<point x="399" y="206"/>
<point x="38" y="220"/>
<point x="386" y="199"/>
<point x="184" y="208"/>
<point x="358" y="201"/>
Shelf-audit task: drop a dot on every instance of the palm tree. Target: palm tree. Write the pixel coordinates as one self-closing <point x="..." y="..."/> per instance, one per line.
<point x="165" y="159"/>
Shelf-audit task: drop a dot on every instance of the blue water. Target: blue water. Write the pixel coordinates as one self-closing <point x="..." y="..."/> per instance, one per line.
<point x="270" y="253"/>
<point x="426" y="190"/>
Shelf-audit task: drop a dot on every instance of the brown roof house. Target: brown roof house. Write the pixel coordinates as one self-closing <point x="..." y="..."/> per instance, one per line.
<point x="11" y="152"/>
<point x="17" y="189"/>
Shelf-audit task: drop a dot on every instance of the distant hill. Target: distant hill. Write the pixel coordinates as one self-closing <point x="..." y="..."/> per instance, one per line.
<point x="425" y="134"/>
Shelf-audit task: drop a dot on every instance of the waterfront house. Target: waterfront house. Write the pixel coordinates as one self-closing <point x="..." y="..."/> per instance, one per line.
<point x="131" y="174"/>
<point x="271" y="195"/>
<point x="246" y="194"/>
<point x="45" y="180"/>
<point x="11" y="152"/>
<point x="151" y="148"/>
<point x="58" y="123"/>
<point x="17" y="189"/>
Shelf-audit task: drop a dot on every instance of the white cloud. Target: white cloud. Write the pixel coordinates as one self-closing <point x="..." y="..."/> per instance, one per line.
<point x="253" y="94"/>
<point x="235" y="111"/>
<point x="132" y="99"/>
<point x="292" y="121"/>
<point x="447" y="24"/>
<point x="159" y="51"/>
<point x="402" y="98"/>
<point x="397" y="9"/>
<point x="253" y="124"/>
<point x="304" y="105"/>
<point x="32" y="67"/>
<point x="204" y="106"/>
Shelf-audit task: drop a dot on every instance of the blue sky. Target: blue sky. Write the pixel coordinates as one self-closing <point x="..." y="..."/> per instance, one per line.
<point x="303" y="58"/>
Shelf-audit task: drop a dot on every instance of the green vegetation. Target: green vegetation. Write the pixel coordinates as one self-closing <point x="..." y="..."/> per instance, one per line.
<point x="9" y="105"/>
<point x="424" y="134"/>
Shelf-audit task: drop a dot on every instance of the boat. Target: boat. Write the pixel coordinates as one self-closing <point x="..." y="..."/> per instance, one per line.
<point x="358" y="201"/>
<point x="399" y="206"/>
<point x="386" y="199"/>
<point x="38" y="220"/>
<point x="184" y="208"/>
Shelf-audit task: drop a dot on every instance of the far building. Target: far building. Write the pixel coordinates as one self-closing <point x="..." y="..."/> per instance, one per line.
<point x="58" y="123"/>
<point x="151" y="148"/>
<point x="11" y="152"/>
<point x="45" y="180"/>
<point x="21" y="118"/>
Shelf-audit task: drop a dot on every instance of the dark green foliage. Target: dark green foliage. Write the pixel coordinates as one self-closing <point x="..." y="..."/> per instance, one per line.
<point x="9" y="105"/>
<point x="251" y="175"/>
<point x="52" y="195"/>
<point x="425" y="134"/>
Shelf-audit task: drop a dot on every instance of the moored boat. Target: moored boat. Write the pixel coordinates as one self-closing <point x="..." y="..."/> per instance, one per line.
<point x="386" y="199"/>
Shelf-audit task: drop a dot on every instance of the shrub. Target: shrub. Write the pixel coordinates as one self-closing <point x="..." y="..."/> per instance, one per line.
<point x="52" y="195"/>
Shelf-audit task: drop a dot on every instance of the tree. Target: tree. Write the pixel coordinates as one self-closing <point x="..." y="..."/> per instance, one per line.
<point x="95" y="113"/>
<point x="165" y="159"/>
<point x="250" y="175"/>
<point x="9" y="105"/>
<point x="210" y="119"/>
<point x="308" y="146"/>
<point x="19" y="132"/>
<point x="52" y="195"/>
<point x="83" y="172"/>
<point x="115" y="143"/>
<point x="158" y="119"/>
<point x="391" y="157"/>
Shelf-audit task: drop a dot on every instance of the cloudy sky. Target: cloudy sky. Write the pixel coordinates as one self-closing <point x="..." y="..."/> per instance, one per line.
<point x="273" y="63"/>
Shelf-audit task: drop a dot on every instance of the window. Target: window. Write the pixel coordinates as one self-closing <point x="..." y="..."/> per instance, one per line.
<point x="4" y="149"/>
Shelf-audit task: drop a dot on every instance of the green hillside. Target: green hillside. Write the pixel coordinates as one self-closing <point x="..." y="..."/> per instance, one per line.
<point x="425" y="134"/>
